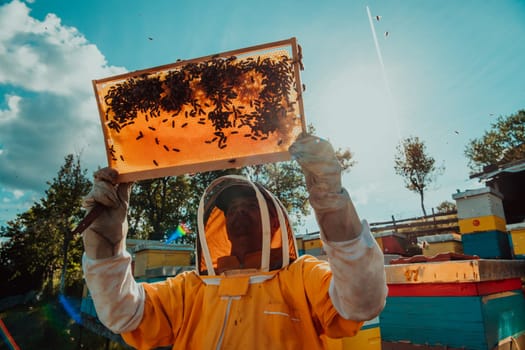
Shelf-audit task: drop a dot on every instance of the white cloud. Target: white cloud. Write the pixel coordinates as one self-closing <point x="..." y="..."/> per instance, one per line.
<point x="12" y="110"/>
<point x="46" y="69"/>
<point x="46" y="56"/>
<point x="362" y="195"/>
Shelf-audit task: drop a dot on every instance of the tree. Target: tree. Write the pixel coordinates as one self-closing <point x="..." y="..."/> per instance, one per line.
<point x="446" y="207"/>
<point x="29" y="256"/>
<point x="503" y="143"/>
<point x="416" y="167"/>
<point x="285" y="180"/>
<point x="40" y="242"/>
<point x="63" y="201"/>
<point x="157" y="206"/>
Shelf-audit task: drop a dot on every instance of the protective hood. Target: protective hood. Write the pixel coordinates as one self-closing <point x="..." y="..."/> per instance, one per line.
<point x="214" y="248"/>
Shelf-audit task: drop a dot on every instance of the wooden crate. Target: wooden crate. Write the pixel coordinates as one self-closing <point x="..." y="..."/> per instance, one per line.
<point x="227" y="110"/>
<point x="517" y="240"/>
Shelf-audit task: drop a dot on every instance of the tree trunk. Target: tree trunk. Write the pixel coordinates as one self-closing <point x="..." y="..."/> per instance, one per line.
<point x="421" y="195"/>
<point x="64" y="266"/>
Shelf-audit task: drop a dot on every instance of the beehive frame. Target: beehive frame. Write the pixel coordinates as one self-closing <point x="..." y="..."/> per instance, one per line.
<point x="227" y="110"/>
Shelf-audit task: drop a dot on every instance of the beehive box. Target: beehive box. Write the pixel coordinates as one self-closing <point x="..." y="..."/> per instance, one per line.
<point x="309" y="243"/>
<point x="158" y="256"/>
<point x="227" y="110"/>
<point x="478" y="270"/>
<point x="391" y="242"/>
<point x="466" y="304"/>
<point x="467" y="322"/>
<point x="441" y="243"/>
<point x="482" y="224"/>
<point x="517" y="239"/>
<point x="487" y="245"/>
<point x="313" y="246"/>
<point x="484" y="201"/>
<point x="368" y="338"/>
<point x="300" y="246"/>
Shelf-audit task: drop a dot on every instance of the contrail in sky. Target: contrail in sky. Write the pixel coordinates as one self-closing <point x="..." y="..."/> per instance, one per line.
<point x="381" y="63"/>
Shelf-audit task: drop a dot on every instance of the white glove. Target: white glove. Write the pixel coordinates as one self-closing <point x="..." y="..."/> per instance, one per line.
<point x="105" y="237"/>
<point x="321" y="169"/>
<point x="333" y="207"/>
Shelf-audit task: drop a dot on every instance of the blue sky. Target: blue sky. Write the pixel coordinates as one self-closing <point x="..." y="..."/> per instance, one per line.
<point x="450" y="68"/>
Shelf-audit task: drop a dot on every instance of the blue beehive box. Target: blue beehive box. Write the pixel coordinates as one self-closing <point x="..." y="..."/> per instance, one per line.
<point x="487" y="245"/>
<point x="466" y="304"/>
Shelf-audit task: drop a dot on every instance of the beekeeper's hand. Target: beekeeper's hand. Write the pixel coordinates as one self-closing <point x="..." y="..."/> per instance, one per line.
<point x="105" y="237"/>
<point x="332" y="205"/>
<point x="320" y="166"/>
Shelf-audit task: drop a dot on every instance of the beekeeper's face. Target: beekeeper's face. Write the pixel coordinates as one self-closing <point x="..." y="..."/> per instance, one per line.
<point x="243" y="223"/>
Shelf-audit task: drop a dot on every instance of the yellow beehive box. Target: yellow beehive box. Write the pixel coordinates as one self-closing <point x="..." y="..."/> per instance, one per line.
<point x="148" y="257"/>
<point x="312" y="244"/>
<point x="299" y="242"/>
<point x="368" y="338"/>
<point x="440" y="243"/>
<point x="443" y="247"/>
<point x="517" y="239"/>
<point x="482" y="224"/>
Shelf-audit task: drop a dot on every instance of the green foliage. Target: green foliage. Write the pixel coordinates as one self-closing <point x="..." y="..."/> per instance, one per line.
<point x="286" y="181"/>
<point x="503" y="143"/>
<point x="40" y="241"/>
<point x="417" y="168"/>
<point x="446" y="207"/>
<point x="157" y="205"/>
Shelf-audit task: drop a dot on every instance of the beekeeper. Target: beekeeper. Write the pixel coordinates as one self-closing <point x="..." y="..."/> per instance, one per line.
<point x="250" y="288"/>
